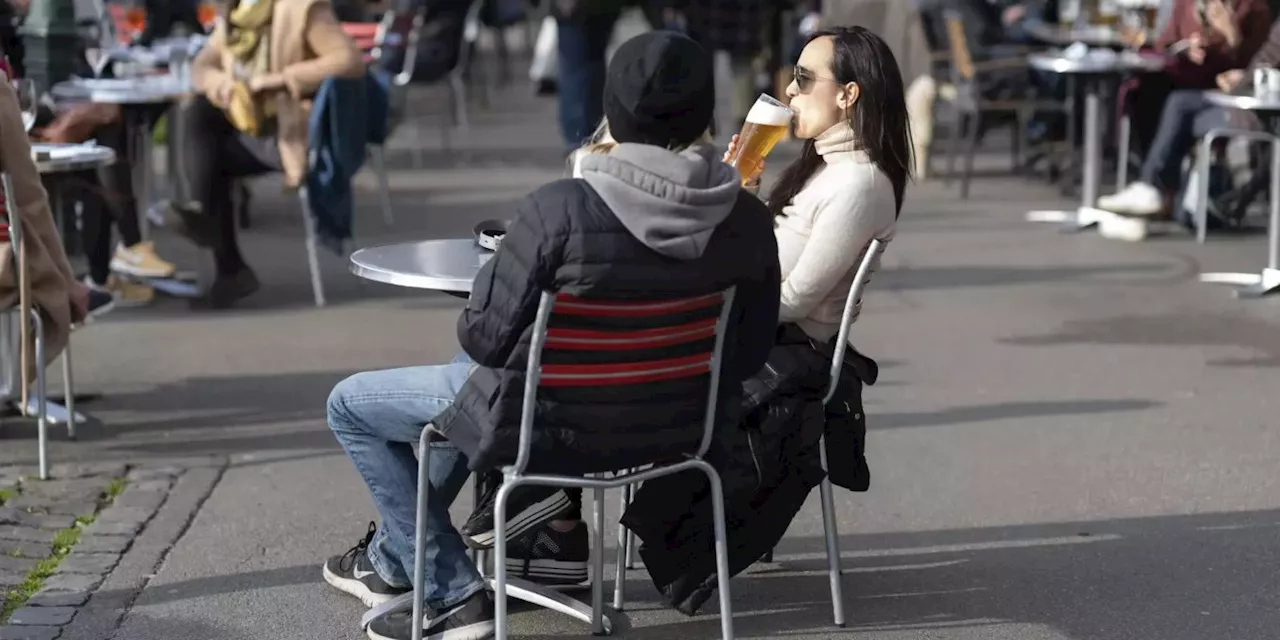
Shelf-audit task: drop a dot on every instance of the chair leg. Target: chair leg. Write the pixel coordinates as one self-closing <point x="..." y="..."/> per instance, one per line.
<point x="833" y="542"/>
<point x="42" y="407"/>
<point x="1015" y="148"/>
<point x="631" y="536"/>
<point x="500" y="565"/>
<point x="620" y="578"/>
<point x="597" y="564"/>
<point x="955" y="135"/>
<point x="975" y="134"/>
<point x="313" y="259"/>
<point x="722" y="549"/>
<point x="419" y="534"/>
<point x="69" y="391"/>
<point x="378" y="154"/>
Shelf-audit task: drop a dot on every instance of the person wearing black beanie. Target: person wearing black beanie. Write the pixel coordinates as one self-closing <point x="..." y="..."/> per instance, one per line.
<point x="656" y="216"/>
<point x="660" y="90"/>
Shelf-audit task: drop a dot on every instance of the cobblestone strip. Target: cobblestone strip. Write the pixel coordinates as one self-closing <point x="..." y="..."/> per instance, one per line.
<point x="40" y="517"/>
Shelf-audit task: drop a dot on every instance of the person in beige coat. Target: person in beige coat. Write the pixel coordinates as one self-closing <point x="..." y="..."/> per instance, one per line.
<point x="254" y="79"/>
<point x="51" y="286"/>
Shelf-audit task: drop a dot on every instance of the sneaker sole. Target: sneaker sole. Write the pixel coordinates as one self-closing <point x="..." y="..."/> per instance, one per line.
<point x="99" y="312"/>
<point x="534" y="515"/>
<point x="551" y="573"/>
<point x="355" y="588"/>
<point x="477" y="631"/>
<point x="129" y="269"/>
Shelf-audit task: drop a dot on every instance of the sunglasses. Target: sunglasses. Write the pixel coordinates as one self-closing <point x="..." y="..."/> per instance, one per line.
<point x="805" y="79"/>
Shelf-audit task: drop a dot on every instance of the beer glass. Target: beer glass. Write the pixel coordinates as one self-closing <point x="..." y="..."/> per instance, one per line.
<point x="767" y="123"/>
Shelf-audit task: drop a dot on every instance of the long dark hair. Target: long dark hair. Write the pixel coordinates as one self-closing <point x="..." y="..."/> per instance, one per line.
<point x="879" y="118"/>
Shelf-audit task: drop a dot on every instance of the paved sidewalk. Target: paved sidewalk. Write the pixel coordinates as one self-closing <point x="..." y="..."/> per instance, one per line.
<point x="1072" y="438"/>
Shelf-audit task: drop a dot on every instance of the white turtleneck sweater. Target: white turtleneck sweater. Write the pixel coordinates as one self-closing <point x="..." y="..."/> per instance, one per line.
<point x="825" y="230"/>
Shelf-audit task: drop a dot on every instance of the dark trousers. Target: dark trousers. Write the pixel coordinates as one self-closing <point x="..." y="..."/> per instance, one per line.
<point x="215" y="155"/>
<point x="582" y="43"/>
<point x="113" y="202"/>
<point x="1187" y="117"/>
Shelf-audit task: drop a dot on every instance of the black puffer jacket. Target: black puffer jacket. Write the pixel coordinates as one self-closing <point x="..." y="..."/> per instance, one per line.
<point x="643" y="223"/>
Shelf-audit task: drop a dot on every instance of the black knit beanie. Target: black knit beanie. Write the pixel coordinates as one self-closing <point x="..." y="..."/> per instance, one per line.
<point x="660" y="90"/>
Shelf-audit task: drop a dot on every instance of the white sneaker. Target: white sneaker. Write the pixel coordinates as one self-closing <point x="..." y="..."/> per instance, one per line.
<point x="141" y="261"/>
<point x="1137" y="199"/>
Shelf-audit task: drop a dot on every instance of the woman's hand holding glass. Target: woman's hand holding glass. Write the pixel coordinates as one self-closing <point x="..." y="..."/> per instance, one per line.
<point x="753" y="180"/>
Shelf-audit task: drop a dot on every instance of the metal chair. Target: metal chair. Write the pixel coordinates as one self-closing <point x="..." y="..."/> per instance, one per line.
<point x="25" y="313"/>
<point x="655" y="324"/>
<point x="1204" y="160"/>
<point x="397" y="29"/>
<point x="852" y="308"/>
<point x="971" y="80"/>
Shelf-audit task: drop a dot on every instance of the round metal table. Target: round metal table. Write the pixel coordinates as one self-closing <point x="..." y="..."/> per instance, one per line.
<point x="1092" y="72"/>
<point x="1094" y="36"/>
<point x="157" y="89"/>
<point x="1251" y="285"/>
<point x="440" y="265"/>
<point x="65" y="158"/>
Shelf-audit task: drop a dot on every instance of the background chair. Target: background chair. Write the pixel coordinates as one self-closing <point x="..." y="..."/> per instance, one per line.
<point x="984" y="89"/>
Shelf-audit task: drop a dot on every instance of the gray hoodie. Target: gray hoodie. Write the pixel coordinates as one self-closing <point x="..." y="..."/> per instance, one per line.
<point x="672" y="202"/>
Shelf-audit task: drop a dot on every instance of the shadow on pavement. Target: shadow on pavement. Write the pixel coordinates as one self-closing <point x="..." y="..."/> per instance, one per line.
<point x="1101" y="580"/>
<point x="1174" y="331"/>
<point x="926" y="278"/>
<point x="1002" y="411"/>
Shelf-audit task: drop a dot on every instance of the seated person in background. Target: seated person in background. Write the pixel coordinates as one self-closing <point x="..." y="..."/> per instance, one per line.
<point x="1224" y="38"/>
<point x="61" y="299"/>
<point x="1186" y="117"/>
<point x="109" y="199"/>
<point x="250" y="117"/>
<point x="658" y="215"/>
<point x="165" y="16"/>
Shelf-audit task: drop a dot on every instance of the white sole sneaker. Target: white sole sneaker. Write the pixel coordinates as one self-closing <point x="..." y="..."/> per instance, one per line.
<point x="477" y="631"/>
<point x="522" y="522"/>
<point x="129" y="269"/>
<point x="1128" y="229"/>
<point x="553" y="574"/>
<point x="355" y="588"/>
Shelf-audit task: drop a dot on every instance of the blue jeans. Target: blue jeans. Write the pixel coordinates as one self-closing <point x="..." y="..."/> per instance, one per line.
<point x="1187" y="116"/>
<point x="378" y="417"/>
<point x="581" y="47"/>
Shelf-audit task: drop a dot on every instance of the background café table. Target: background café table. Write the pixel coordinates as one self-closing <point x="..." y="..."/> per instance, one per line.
<point x="1093" y="72"/>
<point x="440" y="265"/>
<point x="451" y="266"/>
<point x="1252" y="285"/>
<point x="49" y="159"/>
<point x="142" y="99"/>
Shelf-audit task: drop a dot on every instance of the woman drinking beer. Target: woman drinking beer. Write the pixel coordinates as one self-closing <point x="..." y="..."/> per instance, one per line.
<point x="847" y="187"/>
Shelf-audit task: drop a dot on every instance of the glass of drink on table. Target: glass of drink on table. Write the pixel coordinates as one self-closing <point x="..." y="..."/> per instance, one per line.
<point x="766" y="124"/>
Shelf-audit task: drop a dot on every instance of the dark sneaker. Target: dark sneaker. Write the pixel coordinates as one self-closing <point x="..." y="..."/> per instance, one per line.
<point x="229" y="289"/>
<point x="353" y="573"/>
<point x="551" y="558"/>
<point x="202" y="230"/>
<point x="101" y="302"/>
<point x="527" y="509"/>
<point x="471" y="620"/>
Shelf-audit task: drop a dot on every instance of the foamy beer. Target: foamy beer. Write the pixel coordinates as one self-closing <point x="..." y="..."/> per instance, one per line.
<point x="766" y="123"/>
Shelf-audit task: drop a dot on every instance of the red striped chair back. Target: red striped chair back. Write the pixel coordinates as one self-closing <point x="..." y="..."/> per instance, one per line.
<point x="589" y="351"/>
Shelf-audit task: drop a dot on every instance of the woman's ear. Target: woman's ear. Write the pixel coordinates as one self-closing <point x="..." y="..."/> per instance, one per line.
<point x="849" y="96"/>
